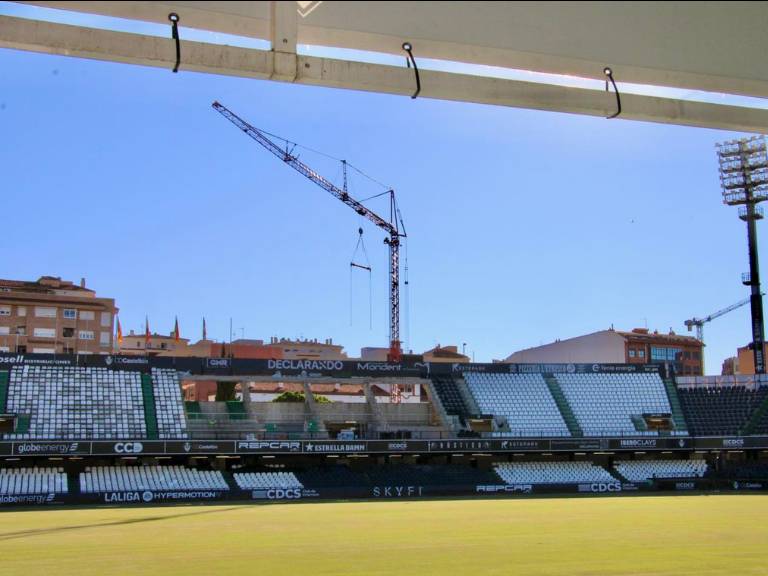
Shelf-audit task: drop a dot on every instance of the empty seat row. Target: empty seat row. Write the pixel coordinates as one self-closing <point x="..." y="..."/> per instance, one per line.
<point x="605" y="404"/>
<point x="450" y="396"/>
<point x="127" y="478"/>
<point x="643" y="470"/>
<point x="524" y="400"/>
<point x="18" y="481"/>
<point x="551" y="472"/>
<point x="79" y="403"/>
<point x="252" y="480"/>
<point x="169" y="404"/>
<point x="713" y="411"/>
<point x="76" y="403"/>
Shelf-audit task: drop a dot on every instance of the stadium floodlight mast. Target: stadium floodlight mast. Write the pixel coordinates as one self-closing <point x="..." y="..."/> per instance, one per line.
<point x="744" y="180"/>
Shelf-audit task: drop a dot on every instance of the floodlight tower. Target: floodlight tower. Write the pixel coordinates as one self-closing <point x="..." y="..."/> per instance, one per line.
<point x="744" y="180"/>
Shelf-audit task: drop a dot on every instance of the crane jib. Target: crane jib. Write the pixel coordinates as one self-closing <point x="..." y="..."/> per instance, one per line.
<point x="390" y="226"/>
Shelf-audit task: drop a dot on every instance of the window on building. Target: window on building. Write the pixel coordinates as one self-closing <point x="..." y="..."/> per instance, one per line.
<point x="21" y="349"/>
<point x="697" y="355"/>
<point x="45" y="332"/>
<point x="659" y="354"/>
<point x="70" y="313"/>
<point x="641" y="353"/>
<point x="5" y="349"/>
<point x="43" y="351"/>
<point x="85" y="335"/>
<point x="21" y="310"/>
<point x="105" y="338"/>
<point x="5" y="330"/>
<point x="87" y="315"/>
<point x="687" y="355"/>
<point x="631" y="353"/>
<point x="68" y="333"/>
<point x="42" y="312"/>
<point x="5" y="310"/>
<point x="21" y="330"/>
<point x="106" y="319"/>
<point x="68" y="350"/>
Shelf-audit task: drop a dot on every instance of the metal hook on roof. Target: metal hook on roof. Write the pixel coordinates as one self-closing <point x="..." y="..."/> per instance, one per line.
<point x="411" y="60"/>
<point x="609" y="76"/>
<point x="174" y="18"/>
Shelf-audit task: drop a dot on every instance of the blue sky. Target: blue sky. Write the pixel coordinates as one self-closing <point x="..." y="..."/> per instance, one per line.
<point x="523" y="226"/>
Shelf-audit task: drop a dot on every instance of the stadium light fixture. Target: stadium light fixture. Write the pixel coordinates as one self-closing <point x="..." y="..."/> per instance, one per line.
<point x="743" y="167"/>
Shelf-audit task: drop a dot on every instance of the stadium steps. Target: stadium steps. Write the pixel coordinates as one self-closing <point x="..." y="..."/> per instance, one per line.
<point x="150" y="410"/>
<point x="229" y="478"/>
<point x="677" y="409"/>
<point x="4" y="377"/>
<point x="373" y="411"/>
<point x="562" y="404"/>
<point x="618" y="475"/>
<point x="639" y="423"/>
<point x="194" y="412"/>
<point x="236" y="410"/>
<point x="758" y="416"/>
<point x="312" y="422"/>
<point x="450" y="422"/>
<point x="73" y="483"/>
<point x="469" y="399"/>
<point x="22" y="423"/>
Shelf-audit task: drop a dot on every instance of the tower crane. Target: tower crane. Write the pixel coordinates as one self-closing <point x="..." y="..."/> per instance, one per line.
<point x="699" y="322"/>
<point x="393" y="226"/>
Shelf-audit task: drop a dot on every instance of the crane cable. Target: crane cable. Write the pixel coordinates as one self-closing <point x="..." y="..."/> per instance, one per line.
<point x="360" y="247"/>
<point x="329" y="156"/>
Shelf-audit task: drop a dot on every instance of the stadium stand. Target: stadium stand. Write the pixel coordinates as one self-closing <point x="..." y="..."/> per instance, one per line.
<point x="330" y="476"/>
<point x="523" y="399"/>
<point x="390" y="475"/>
<point x="551" y="472"/>
<point x="606" y="404"/>
<point x="450" y="396"/>
<point x="748" y="470"/>
<point x="643" y="470"/>
<point x="426" y="475"/>
<point x="120" y="478"/>
<point x="171" y="420"/>
<point x="18" y="481"/>
<point x="76" y="403"/>
<point x="79" y="403"/>
<point x="253" y="480"/>
<point x="712" y="411"/>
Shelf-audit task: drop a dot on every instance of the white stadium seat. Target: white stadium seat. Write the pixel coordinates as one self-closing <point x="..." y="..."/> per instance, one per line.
<point x="523" y="399"/>
<point x="604" y="404"/>
<point x="642" y="470"/>
<point x="18" y="481"/>
<point x="551" y="472"/>
<point x="76" y="403"/>
<point x="253" y="480"/>
<point x="171" y="419"/>
<point x="127" y="478"/>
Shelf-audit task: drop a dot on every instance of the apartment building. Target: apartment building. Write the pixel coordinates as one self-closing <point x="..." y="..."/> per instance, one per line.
<point x="54" y="316"/>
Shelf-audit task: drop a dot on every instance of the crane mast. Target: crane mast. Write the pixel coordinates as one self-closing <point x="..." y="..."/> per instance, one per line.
<point x="392" y="226"/>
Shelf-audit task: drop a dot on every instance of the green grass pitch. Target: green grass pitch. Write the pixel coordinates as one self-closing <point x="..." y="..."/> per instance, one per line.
<point x="676" y="535"/>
